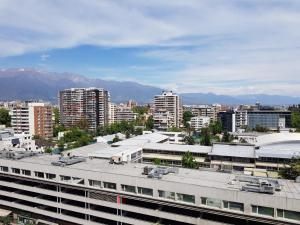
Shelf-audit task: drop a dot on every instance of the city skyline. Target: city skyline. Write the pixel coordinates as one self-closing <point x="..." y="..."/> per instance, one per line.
<point x="194" y="46"/>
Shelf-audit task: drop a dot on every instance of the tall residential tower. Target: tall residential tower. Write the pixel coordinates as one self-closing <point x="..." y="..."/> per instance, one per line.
<point x="33" y="118"/>
<point x="171" y="103"/>
<point x="89" y="104"/>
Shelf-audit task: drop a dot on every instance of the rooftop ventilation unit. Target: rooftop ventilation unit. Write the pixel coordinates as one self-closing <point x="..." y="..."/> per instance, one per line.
<point x="263" y="186"/>
<point x="68" y="160"/>
<point x="257" y="180"/>
<point x="158" y="172"/>
<point x="15" y="155"/>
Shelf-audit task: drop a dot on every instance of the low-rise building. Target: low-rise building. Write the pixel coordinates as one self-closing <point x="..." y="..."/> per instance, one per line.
<point x="199" y="122"/>
<point x="94" y="191"/>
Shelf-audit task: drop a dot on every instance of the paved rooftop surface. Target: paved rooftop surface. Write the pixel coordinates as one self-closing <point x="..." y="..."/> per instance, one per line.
<point x="245" y="151"/>
<point x="205" y="178"/>
<point x="178" y="148"/>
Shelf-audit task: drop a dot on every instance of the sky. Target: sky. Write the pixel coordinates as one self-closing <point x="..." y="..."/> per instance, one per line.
<point x="210" y="46"/>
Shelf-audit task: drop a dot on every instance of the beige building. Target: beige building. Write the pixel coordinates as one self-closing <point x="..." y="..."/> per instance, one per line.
<point x="34" y="119"/>
<point x="210" y="111"/>
<point x="171" y="103"/>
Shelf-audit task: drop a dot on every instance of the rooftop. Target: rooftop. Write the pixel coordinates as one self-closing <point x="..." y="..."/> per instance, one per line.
<point x="290" y="189"/>
<point x="245" y="151"/>
<point x="178" y="148"/>
<point x="143" y="139"/>
<point x="274" y="138"/>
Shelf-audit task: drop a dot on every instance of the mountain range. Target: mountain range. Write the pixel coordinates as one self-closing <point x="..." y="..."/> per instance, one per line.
<point x="31" y="84"/>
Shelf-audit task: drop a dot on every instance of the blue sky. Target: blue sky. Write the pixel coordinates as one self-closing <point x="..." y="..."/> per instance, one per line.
<point x="220" y="46"/>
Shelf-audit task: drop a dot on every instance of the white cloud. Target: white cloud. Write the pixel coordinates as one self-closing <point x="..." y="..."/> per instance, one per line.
<point x="251" y="45"/>
<point x="44" y="57"/>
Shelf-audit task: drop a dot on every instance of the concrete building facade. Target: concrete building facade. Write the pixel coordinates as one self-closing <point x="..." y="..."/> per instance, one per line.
<point x="34" y="119"/>
<point x="171" y="103"/>
<point x="95" y="192"/>
<point x="199" y="122"/>
<point x="89" y="104"/>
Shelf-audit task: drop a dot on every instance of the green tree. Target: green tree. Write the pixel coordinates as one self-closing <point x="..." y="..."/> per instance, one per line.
<point x="188" y="160"/>
<point x="61" y="145"/>
<point x="174" y="129"/>
<point x="293" y="171"/>
<point x="138" y="131"/>
<point x="216" y="127"/>
<point x="189" y="140"/>
<point x="205" y="137"/>
<point x="127" y="134"/>
<point x="48" y="150"/>
<point x="58" y="128"/>
<point x="157" y="161"/>
<point x="296" y="120"/>
<point x="116" y="139"/>
<point x="6" y="220"/>
<point x="5" y="118"/>
<point x="187" y="115"/>
<point x="141" y="110"/>
<point x="150" y="123"/>
<point x="227" y="137"/>
<point x="259" y="128"/>
<point x="83" y="124"/>
<point x="56" y="115"/>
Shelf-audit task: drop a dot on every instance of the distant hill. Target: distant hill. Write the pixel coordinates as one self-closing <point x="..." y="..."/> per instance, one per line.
<point x="30" y="84"/>
<point x="201" y="98"/>
<point x="25" y="84"/>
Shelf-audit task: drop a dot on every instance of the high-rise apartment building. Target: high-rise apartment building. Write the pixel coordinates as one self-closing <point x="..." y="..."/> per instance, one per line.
<point x="171" y="103"/>
<point x="33" y="118"/>
<point x="210" y="111"/>
<point x="89" y="104"/>
<point x="112" y="108"/>
<point x="20" y="119"/>
<point x="125" y="114"/>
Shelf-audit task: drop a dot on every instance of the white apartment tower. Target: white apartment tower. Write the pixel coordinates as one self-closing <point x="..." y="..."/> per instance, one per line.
<point x="171" y="103"/>
<point x="199" y="122"/>
<point x="33" y="118"/>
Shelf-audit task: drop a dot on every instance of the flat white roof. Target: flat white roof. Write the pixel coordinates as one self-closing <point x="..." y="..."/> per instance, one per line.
<point x="277" y="138"/>
<point x="107" y="153"/>
<point x="285" y="151"/>
<point x="143" y="139"/>
<point x="243" y="151"/>
<point x="178" y="148"/>
<point x="86" y="150"/>
<point x="185" y="176"/>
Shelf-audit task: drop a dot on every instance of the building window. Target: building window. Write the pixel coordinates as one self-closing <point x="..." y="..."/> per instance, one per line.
<point x="26" y="172"/>
<point x="186" y="198"/>
<point x="166" y="194"/>
<point x="145" y="191"/>
<point x="261" y="210"/>
<point x="95" y="183"/>
<point x="287" y="214"/>
<point x="16" y="170"/>
<point x="65" y="178"/>
<point x="39" y="174"/>
<point x="236" y="206"/>
<point x="128" y="188"/>
<point x="50" y="176"/>
<point x="212" y="202"/>
<point x="109" y="185"/>
<point x="4" y="168"/>
<point x="77" y="180"/>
